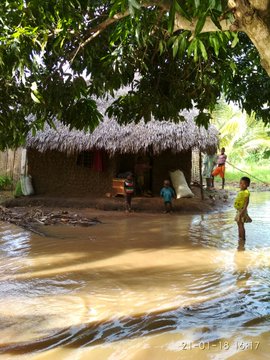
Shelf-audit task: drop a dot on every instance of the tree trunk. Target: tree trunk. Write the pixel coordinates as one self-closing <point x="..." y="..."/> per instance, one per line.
<point x="252" y="17"/>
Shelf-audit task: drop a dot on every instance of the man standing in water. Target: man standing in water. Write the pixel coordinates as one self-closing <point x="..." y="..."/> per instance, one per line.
<point x="220" y="169"/>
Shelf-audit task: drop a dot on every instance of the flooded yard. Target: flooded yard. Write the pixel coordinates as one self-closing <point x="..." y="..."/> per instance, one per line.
<point x="140" y="286"/>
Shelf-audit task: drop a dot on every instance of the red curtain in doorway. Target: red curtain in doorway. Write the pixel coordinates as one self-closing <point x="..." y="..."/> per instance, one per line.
<point x="97" y="161"/>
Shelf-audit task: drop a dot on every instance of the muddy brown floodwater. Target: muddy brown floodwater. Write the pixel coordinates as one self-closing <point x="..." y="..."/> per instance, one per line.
<point x="141" y="286"/>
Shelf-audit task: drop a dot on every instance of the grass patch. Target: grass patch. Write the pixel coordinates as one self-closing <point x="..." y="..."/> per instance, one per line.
<point x="255" y="173"/>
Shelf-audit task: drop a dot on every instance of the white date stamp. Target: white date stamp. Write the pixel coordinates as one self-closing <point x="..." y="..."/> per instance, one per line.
<point x="240" y="345"/>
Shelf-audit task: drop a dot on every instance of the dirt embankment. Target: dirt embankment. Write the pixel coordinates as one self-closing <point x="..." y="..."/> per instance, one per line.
<point x="212" y="200"/>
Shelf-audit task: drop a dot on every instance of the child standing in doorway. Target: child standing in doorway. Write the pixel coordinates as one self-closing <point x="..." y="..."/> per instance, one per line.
<point x="241" y="204"/>
<point x="167" y="193"/>
<point x="129" y="189"/>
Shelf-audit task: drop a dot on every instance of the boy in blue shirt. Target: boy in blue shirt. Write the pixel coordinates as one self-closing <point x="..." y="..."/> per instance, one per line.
<point x="167" y="193"/>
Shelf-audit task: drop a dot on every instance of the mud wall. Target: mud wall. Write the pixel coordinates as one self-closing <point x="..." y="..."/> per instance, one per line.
<point x="56" y="173"/>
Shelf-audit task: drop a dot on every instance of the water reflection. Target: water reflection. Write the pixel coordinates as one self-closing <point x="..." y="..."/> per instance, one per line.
<point x="138" y="287"/>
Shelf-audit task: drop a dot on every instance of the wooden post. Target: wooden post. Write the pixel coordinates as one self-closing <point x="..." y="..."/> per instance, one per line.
<point x="201" y="178"/>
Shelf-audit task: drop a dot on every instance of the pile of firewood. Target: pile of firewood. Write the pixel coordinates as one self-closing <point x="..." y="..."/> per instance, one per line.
<point x="36" y="216"/>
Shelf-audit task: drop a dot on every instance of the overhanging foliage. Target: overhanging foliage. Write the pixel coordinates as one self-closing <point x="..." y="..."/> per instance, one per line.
<point x="57" y="57"/>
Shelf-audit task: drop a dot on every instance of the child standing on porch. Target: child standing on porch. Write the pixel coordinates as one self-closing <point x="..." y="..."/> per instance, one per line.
<point x="129" y="189"/>
<point x="167" y="193"/>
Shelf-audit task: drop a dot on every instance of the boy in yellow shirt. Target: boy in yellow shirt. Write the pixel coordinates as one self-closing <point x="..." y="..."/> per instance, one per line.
<point x="240" y="204"/>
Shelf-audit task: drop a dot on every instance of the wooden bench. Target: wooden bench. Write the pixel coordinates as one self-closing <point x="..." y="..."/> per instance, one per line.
<point x="118" y="186"/>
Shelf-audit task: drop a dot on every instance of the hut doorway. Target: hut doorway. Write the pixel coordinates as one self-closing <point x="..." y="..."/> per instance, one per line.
<point x="140" y="165"/>
<point x="143" y="174"/>
<point x="125" y="165"/>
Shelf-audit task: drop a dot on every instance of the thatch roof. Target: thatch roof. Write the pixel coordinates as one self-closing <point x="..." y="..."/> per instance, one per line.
<point x="131" y="138"/>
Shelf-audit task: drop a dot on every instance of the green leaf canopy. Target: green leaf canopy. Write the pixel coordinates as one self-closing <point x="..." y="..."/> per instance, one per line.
<point x="57" y="57"/>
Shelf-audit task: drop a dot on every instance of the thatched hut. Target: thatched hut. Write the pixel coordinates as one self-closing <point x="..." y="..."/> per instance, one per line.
<point x="78" y="163"/>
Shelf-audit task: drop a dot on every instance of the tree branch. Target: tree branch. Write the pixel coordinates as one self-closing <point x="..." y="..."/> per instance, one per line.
<point x="260" y="5"/>
<point x="247" y="19"/>
<point x="97" y="30"/>
<point x="93" y="33"/>
<point x="181" y="23"/>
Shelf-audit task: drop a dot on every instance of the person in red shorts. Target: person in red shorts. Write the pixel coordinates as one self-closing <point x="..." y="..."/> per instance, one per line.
<point x="220" y="168"/>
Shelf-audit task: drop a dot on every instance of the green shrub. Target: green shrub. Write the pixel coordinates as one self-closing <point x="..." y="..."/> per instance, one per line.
<point x="5" y="182"/>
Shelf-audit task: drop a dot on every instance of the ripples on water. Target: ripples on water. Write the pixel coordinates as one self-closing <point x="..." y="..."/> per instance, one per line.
<point x="142" y="287"/>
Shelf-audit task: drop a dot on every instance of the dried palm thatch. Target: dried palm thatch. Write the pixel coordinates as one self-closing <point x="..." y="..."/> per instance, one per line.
<point x="130" y="138"/>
